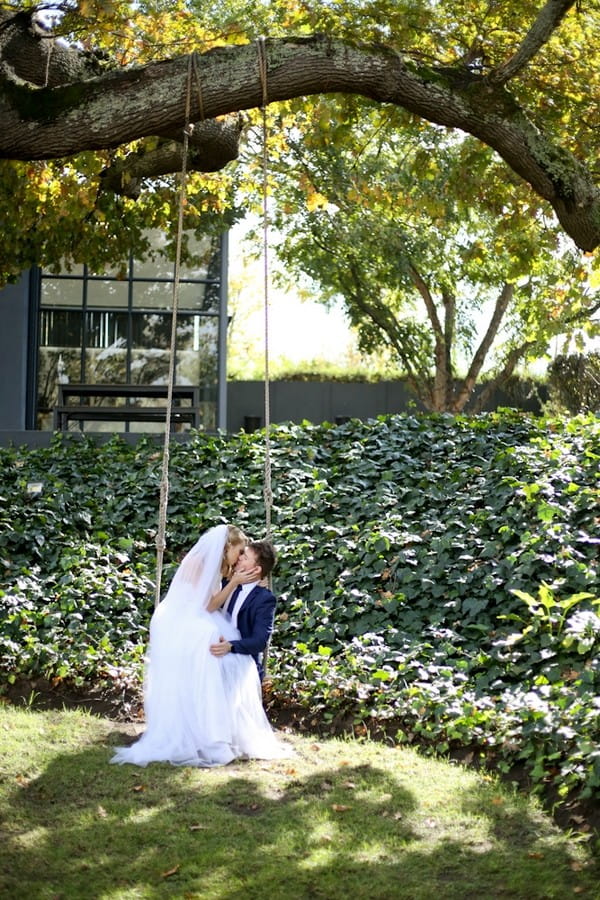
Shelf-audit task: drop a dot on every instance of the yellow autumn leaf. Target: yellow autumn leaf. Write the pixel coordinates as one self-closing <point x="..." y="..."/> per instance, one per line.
<point x="594" y="279"/>
<point x="315" y="200"/>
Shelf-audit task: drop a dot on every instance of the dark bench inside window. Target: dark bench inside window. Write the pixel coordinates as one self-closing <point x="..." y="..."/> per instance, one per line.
<point x="124" y="403"/>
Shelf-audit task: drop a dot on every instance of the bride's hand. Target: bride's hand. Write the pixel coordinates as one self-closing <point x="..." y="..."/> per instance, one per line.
<point x="246" y="577"/>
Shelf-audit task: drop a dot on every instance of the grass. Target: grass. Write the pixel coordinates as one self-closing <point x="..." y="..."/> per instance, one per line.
<point x="340" y="819"/>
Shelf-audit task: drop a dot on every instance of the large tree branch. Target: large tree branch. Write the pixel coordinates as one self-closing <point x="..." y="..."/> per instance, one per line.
<point x="116" y="107"/>
<point x="547" y="21"/>
<point x="212" y="144"/>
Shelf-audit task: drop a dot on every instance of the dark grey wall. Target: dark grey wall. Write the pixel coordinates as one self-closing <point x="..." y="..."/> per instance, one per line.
<point x="331" y="401"/>
<point x="14" y="325"/>
<point x="327" y="401"/>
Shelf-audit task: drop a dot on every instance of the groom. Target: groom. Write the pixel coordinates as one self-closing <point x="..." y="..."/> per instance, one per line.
<point x="251" y="606"/>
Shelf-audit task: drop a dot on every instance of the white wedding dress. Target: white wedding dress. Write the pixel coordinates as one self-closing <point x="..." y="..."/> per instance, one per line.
<point x="200" y="710"/>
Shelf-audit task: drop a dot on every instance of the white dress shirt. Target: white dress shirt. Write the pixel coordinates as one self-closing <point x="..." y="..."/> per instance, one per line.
<point x="239" y="600"/>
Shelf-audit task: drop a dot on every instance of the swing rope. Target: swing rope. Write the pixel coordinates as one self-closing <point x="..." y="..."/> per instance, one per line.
<point x="267" y="485"/>
<point x="164" y="484"/>
<point x="193" y="73"/>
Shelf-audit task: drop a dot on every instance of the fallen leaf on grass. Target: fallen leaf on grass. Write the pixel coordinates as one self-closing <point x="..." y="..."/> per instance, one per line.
<point x="138" y="787"/>
<point x="579" y="890"/>
<point x="340" y="807"/>
<point x="198" y="827"/>
<point x="101" y="812"/>
<point x="535" y="855"/>
<point x="170" y="872"/>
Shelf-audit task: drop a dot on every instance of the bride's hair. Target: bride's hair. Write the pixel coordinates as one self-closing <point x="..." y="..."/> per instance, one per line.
<point x="234" y="536"/>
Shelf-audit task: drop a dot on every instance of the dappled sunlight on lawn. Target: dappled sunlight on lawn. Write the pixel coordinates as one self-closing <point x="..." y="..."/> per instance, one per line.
<point x="342" y="818"/>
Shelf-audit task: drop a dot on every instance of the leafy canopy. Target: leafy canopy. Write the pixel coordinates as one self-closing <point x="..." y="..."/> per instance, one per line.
<point x="65" y="213"/>
<point x="389" y="213"/>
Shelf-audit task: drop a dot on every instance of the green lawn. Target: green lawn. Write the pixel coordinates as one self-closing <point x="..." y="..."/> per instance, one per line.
<point x="340" y="819"/>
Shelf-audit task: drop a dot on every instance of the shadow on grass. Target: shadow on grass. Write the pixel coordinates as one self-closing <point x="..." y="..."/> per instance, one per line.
<point x="89" y="830"/>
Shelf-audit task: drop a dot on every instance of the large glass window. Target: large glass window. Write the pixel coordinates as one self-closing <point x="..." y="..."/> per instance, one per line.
<point x="109" y="330"/>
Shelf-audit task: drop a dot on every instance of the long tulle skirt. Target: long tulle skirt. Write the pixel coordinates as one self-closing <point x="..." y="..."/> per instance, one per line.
<point x="201" y="710"/>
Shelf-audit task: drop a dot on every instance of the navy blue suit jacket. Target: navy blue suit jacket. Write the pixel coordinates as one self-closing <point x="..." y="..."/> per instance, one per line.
<point x="255" y="624"/>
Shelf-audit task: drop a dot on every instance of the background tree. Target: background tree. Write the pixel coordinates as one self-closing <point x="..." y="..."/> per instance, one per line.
<point x="419" y="253"/>
<point x="91" y="124"/>
<point x="574" y="382"/>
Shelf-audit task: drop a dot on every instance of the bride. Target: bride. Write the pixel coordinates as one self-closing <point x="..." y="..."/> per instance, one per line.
<point x="201" y="710"/>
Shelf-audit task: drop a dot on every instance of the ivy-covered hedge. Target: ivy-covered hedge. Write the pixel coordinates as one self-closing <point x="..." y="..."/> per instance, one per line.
<point x="437" y="575"/>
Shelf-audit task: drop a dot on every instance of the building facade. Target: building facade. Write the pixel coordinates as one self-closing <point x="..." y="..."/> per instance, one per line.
<point x="113" y="328"/>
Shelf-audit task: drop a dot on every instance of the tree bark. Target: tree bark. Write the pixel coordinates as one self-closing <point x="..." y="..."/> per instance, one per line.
<point x="212" y="145"/>
<point x="547" y="21"/>
<point x="439" y="393"/>
<point x="502" y="302"/>
<point x="115" y="107"/>
<point x="510" y="363"/>
<point x="449" y="301"/>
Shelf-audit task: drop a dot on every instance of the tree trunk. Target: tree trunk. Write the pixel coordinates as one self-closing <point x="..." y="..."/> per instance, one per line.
<point x="509" y="367"/>
<point x="439" y="393"/>
<point x="462" y="396"/>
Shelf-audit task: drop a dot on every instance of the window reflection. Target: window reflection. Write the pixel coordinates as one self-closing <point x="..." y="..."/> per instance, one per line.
<point x="115" y="328"/>
<point x="107" y="292"/>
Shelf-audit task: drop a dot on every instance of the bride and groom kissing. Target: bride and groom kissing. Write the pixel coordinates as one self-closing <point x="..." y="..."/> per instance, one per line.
<point x="250" y="605"/>
<point x="202" y="680"/>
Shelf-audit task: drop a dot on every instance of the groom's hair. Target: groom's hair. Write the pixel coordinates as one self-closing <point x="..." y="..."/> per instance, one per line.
<point x="265" y="555"/>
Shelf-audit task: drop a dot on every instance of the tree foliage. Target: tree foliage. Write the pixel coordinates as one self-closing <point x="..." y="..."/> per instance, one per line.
<point x="417" y="251"/>
<point x="94" y="120"/>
